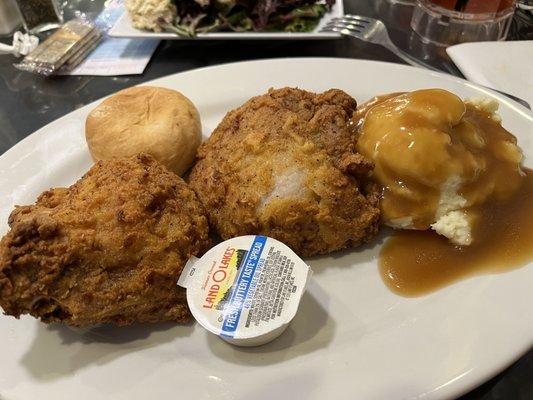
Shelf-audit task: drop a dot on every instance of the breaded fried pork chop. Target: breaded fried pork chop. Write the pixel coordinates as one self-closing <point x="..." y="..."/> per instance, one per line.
<point x="284" y="165"/>
<point x="110" y="248"/>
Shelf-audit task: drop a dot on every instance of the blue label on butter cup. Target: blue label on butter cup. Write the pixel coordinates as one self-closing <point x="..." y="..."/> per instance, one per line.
<point x="241" y="287"/>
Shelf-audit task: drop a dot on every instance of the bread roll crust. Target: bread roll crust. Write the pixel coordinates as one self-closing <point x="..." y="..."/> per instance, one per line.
<point x="158" y="121"/>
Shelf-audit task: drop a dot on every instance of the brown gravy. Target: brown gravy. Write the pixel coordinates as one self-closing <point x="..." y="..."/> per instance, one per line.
<point x="417" y="141"/>
<point x="428" y="148"/>
<point x="413" y="263"/>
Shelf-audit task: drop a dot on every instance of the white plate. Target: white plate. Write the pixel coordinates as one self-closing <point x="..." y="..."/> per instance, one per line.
<point x="506" y="66"/>
<point x="124" y="29"/>
<point x="352" y="337"/>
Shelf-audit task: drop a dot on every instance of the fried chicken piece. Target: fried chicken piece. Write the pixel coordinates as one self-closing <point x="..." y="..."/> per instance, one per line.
<point x="284" y="165"/>
<point x="110" y="248"/>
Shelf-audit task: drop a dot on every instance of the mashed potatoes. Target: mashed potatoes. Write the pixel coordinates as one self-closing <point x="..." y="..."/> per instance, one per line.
<point x="437" y="158"/>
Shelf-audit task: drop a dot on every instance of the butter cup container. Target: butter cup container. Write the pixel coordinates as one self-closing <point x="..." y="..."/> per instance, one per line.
<point x="246" y="289"/>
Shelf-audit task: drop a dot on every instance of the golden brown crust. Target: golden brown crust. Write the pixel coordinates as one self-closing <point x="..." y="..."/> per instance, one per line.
<point x="149" y="119"/>
<point x="109" y="248"/>
<point x="284" y="165"/>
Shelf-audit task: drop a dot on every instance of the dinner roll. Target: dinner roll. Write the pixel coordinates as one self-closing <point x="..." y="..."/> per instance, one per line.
<point x="154" y="120"/>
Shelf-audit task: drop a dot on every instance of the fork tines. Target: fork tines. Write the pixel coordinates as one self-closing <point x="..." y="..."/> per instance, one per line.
<point x="351" y="23"/>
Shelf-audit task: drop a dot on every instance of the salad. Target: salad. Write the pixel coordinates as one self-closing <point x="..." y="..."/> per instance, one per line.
<point x="189" y="17"/>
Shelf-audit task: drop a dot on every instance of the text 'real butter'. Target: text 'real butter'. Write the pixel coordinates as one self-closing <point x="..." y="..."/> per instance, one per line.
<point x="246" y="289"/>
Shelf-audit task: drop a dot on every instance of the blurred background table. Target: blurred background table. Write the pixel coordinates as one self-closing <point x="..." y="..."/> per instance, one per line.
<point x="28" y="102"/>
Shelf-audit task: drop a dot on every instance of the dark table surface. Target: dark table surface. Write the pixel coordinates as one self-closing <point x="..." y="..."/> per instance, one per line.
<point x="28" y="102"/>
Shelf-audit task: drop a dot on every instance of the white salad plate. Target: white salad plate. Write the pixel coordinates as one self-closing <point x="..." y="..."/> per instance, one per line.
<point x="124" y="29"/>
<point x="352" y="338"/>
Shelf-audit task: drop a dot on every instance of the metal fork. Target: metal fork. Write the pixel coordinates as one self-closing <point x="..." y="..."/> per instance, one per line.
<point x="374" y="31"/>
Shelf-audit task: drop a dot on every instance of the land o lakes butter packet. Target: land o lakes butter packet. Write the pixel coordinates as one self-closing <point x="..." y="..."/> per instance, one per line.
<point x="246" y="289"/>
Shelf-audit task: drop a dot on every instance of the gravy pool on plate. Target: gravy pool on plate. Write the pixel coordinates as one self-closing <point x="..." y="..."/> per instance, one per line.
<point x="417" y="262"/>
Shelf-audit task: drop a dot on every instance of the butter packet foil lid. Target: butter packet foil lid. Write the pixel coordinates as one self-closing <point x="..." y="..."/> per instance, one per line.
<point x="246" y="289"/>
<point x="61" y="48"/>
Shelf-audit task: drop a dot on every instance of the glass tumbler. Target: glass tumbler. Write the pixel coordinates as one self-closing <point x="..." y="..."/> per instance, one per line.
<point x="40" y="15"/>
<point x="448" y="22"/>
